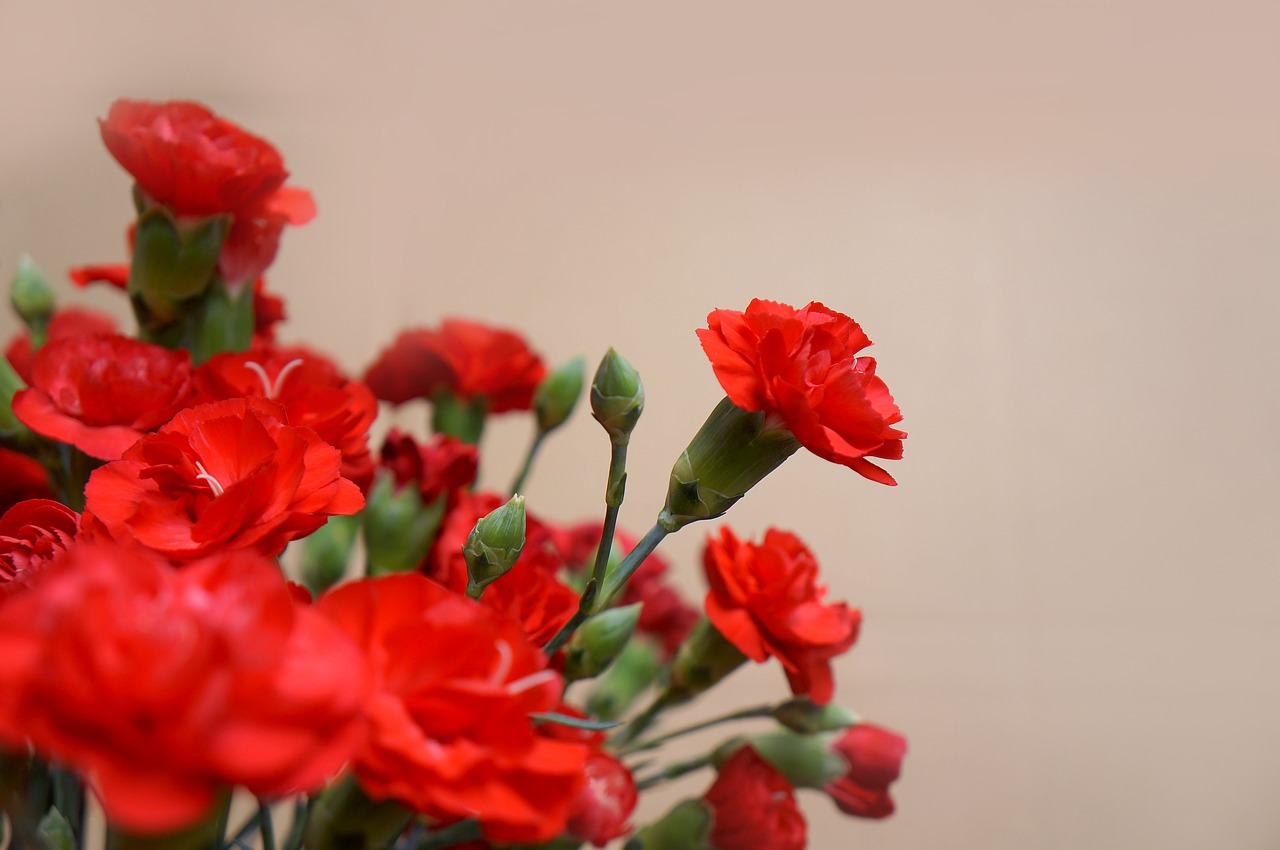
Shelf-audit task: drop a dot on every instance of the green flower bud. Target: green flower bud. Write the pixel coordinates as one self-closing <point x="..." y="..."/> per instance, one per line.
<point x="55" y="832"/>
<point x="398" y="527"/>
<point x="326" y="553"/>
<point x="806" y="717"/>
<point x="617" y="396"/>
<point x="631" y="673"/>
<point x="599" y="640"/>
<point x="558" y="394"/>
<point x="685" y="827"/>
<point x="807" y="761"/>
<point x="702" y="661"/>
<point x="494" y="545"/>
<point x="32" y="299"/>
<point x="730" y="454"/>
<point x="173" y="263"/>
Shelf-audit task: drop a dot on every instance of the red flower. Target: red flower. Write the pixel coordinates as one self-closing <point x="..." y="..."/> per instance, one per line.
<point x="468" y="359"/>
<point x="450" y="733"/>
<point x="443" y="466"/>
<point x="766" y="600"/>
<point x="753" y="807"/>
<point x="21" y="478"/>
<point x="190" y="160"/>
<point x="67" y="322"/>
<point x="31" y="534"/>
<point x="446" y="564"/>
<point x="606" y="801"/>
<point x="164" y="686"/>
<point x="254" y="238"/>
<point x="800" y="366"/>
<point x="112" y="274"/>
<point x="227" y="475"/>
<point x="101" y="393"/>
<point x="268" y="311"/>
<point x="875" y="762"/>
<point x="314" y="393"/>
<point x="531" y="595"/>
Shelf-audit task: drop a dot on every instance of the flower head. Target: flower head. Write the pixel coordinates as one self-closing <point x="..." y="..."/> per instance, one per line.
<point x="875" y="758"/>
<point x="32" y="533"/>
<point x="753" y="807"/>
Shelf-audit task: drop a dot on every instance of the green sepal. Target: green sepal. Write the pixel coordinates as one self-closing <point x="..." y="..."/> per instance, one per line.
<point x="686" y="827"/>
<point x="398" y="528"/>
<point x="173" y="263"/>
<point x="326" y="553"/>
<point x="55" y="831"/>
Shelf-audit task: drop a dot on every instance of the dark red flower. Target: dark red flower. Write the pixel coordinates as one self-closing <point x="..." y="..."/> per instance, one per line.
<point x="606" y="801"/>
<point x="450" y="733"/>
<point x="314" y="392"/>
<point x="443" y="466"/>
<point x="531" y="595"/>
<point x="31" y="534"/>
<point x="67" y="322"/>
<point x="162" y="687"/>
<point x="875" y="757"/>
<point x="226" y="475"/>
<point x="21" y="478"/>
<point x="468" y="359"/>
<point x="190" y="160"/>
<point x="801" y="366"/>
<point x="101" y="393"/>
<point x="753" y="807"/>
<point x="254" y="238"/>
<point x="766" y="600"/>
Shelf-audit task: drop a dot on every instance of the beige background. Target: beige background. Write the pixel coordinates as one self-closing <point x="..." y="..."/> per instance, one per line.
<point x="1059" y="222"/>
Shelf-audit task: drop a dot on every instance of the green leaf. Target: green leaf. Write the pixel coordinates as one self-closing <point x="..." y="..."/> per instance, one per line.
<point x="575" y="722"/>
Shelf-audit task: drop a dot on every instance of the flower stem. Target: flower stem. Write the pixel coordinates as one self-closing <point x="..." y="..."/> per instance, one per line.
<point x="654" y="743"/>
<point x="673" y="771"/>
<point x="641" y="722"/>
<point x="266" y="828"/>
<point x="616" y="580"/>
<point x="518" y="484"/>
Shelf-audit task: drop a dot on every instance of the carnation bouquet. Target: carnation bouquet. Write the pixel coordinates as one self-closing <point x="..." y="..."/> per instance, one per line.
<point x="407" y="681"/>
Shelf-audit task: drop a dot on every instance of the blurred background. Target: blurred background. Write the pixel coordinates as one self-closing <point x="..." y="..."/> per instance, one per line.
<point x="1060" y="223"/>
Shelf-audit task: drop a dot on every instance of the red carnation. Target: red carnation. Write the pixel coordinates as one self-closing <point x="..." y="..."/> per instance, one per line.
<point x="227" y="475"/>
<point x="67" y="322"/>
<point x="468" y="359"/>
<point x="190" y="160"/>
<point x="313" y="391"/>
<point x="31" y="534"/>
<point x="446" y="564"/>
<point x="254" y="237"/>
<point x="21" y="478"/>
<point x="800" y="366"/>
<point x="875" y="757"/>
<point x="443" y="466"/>
<point x="606" y="801"/>
<point x="766" y="600"/>
<point x="753" y="807"/>
<point x="101" y="393"/>
<point x="532" y="596"/>
<point x="162" y="687"/>
<point x="450" y="733"/>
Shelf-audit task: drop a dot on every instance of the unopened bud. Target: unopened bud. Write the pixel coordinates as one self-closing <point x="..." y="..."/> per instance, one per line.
<point x="558" y="394"/>
<point x="326" y="553"/>
<point x="807" y="761"/>
<point x="599" y="640"/>
<point x="617" y="396"/>
<point x="32" y="299"/>
<point x="702" y="661"/>
<point x="494" y="545"/>
<point x="398" y="527"/>
<point x="631" y="673"/>
<point x="806" y="717"/>
<point x="685" y="827"/>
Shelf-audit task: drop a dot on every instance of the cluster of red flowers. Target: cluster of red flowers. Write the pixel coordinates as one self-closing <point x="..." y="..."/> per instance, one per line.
<point x="150" y="642"/>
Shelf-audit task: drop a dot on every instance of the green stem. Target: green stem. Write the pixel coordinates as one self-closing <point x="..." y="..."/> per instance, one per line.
<point x="243" y="832"/>
<point x="654" y="743"/>
<point x="301" y="809"/>
<point x="451" y="835"/>
<point x="518" y="484"/>
<point x="266" y="828"/>
<point x="641" y="722"/>
<point x="616" y="580"/>
<point x="674" y="771"/>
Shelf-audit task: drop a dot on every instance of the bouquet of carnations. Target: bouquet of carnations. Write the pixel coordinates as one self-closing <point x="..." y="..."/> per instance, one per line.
<point x="404" y="684"/>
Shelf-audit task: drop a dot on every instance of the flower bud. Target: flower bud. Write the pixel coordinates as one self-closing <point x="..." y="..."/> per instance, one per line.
<point x="558" y="394"/>
<point x="398" y="527"/>
<point x="807" y="761"/>
<point x="32" y="299"/>
<point x="730" y="454"/>
<point x="617" y="396"/>
<point x="631" y="673"/>
<point x="685" y="827"/>
<point x="326" y="553"/>
<point x="806" y="717"/>
<point x="598" y="641"/>
<point x="173" y="262"/>
<point x="494" y="545"/>
<point x="702" y="661"/>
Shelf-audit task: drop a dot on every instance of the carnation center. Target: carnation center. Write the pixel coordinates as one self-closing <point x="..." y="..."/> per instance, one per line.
<point x="270" y="389"/>
<point x="213" y="483"/>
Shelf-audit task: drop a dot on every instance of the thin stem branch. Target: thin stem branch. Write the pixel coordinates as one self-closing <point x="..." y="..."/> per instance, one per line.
<point x="266" y="828"/>
<point x="518" y="484"/>
<point x="673" y="771"/>
<point x="653" y="743"/>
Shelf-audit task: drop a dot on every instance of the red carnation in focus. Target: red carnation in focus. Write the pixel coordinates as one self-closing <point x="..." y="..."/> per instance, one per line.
<point x="766" y="600"/>
<point x="753" y="807"/>
<point x="162" y="687"/>
<point x="313" y="391"/>
<point x="31" y="534"/>
<point x="801" y="366"/>
<point x="443" y="466"/>
<point x="67" y="322"/>
<point x="606" y="801"/>
<point x="101" y="393"/>
<point x="468" y="359"/>
<point x="190" y="160"/>
<point x="227" y="475"/>
<point x="21" y="478"/>
<point x="875" y="757"/>
<point x="450" y="733"/>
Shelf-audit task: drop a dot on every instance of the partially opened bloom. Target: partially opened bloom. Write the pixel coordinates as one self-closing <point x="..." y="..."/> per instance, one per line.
<point x="468" y="359"/>
<point x="67" y="322"/>
<point x="875" y="758"/>
<point x="802" y="366"/>
<point x="162" y="687"/>
<point x="226" y="475"/>
<point x="32" y="533"/>
<point x="753" y="807"/>
<point x="605" y="802"/>
<point x="450" y="733"/>
<point x="101" y="393"/>
<point x="765" y="599"/>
